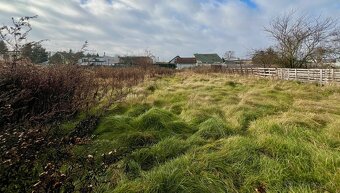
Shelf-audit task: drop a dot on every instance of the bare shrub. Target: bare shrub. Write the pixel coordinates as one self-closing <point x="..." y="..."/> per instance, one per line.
<point x="34" y="100"/>
<point x="35" y="94"/>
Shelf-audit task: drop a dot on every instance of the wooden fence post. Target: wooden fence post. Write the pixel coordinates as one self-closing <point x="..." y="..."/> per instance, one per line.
<point x="308" y="74"/>
<point x="287" y="74"/>
<point x="288" y="77"/>
<point x="321" y="77"/>
<point x="295" y="72"/>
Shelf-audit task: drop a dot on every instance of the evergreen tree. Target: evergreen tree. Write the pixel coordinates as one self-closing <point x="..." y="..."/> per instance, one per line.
<point x="36" y="53"/>
<point x="26" y="51"/>
<point x="39" y="54"/>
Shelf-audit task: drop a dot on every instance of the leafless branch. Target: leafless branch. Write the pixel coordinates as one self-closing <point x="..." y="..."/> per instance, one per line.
<point x="299" y="38"/>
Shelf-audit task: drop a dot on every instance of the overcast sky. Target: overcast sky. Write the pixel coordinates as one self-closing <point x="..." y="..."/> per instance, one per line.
<point x="165" y="27"/>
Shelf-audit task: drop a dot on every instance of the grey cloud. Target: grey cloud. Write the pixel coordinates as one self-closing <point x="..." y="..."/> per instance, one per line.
<point x="167" y="28"/>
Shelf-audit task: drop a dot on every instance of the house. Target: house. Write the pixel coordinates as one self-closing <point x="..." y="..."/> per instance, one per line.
<point x="135" y="60"/>
<point x="99" y="60"/>
<point x="208" y="59"/>
<point x="183" y="62"/>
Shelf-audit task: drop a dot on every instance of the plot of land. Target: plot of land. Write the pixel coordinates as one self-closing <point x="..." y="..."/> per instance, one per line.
<point x="219" y="133"/>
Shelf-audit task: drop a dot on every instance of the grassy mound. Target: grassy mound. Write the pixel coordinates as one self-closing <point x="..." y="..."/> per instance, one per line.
<point x="155" y="119"/>
<point x="213" y="128"/>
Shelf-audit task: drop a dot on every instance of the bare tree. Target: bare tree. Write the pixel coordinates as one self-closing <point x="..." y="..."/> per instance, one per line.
<point x="336" y="44"/>
<point x="301" y="38"/>
<point x="16" y="36"/>
<point x="229" y="55"/>
<point x="148" y="53"/>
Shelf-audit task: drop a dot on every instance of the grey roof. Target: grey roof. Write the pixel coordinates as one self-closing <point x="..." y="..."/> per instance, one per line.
<point x="208" y="58"/>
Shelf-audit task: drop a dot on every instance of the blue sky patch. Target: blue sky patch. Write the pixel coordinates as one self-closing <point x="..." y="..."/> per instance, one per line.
<point x="250" y="3"/>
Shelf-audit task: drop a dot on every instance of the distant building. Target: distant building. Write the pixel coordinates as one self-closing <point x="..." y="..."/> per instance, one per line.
<point x="183" y="62"/>
<point x="208" y="59"/>
<point x="115" y="61"/>
<point x="99" y="60"/>
<point x="135" y="60"/>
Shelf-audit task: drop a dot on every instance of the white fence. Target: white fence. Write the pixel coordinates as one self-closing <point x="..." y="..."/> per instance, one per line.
<point x="322" y="76"/>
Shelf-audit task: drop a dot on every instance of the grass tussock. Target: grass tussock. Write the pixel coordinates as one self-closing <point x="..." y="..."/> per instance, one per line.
<point x="161" y="152"/>
<point x="213" y="128"/>
<point x="233" y="134"/>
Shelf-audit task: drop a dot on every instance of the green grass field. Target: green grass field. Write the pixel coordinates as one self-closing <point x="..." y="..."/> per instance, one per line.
<point x="220" y="133"/>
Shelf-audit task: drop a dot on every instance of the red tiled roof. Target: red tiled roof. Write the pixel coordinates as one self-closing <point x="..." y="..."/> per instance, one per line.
<point x="180" y="60"/>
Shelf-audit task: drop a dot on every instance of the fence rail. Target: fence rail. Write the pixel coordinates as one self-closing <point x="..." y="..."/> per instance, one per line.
<point x="322" y="76"/>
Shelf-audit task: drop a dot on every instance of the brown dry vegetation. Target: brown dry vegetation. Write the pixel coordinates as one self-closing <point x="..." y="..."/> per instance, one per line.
<point x="35" y="99"/>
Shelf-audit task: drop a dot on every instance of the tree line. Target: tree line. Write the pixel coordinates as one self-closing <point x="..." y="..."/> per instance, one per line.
<point x="37" y="54"/>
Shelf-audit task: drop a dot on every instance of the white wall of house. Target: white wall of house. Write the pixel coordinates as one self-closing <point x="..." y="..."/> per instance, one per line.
<point x="200" y="63"/>
<point x="101" y="60"/>
<point x="182" y="66"/>
<point x="203" y="64"/>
